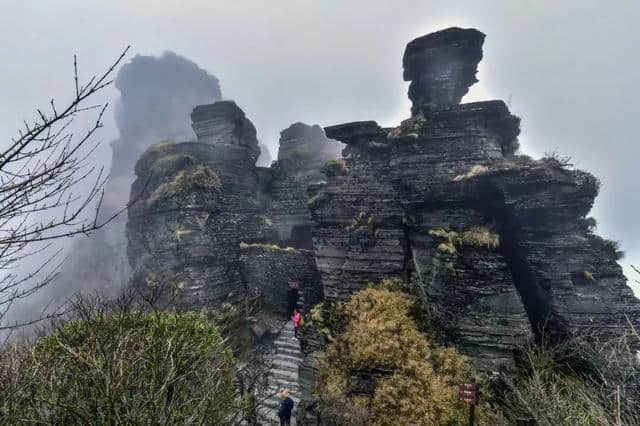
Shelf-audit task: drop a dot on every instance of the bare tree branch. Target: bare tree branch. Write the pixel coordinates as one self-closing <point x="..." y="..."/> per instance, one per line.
<point x="49" y="190"/>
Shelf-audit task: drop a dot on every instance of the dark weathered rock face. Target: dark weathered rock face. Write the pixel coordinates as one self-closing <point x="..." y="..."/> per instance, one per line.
<point x="498" y="243"/>
<point x="223" y="123"/>
<point x="200" y="201"/>
<point x="304" y="150"/>
<point x="213" y="225"/>
<point x="441" y="67"/>
<point x="267" y="270"/>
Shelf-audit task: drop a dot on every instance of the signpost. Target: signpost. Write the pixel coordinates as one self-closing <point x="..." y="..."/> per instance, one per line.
<point x="468" y="392"/>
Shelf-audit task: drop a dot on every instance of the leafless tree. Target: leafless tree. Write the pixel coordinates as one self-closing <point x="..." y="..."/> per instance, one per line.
<point x="49" y="190"/>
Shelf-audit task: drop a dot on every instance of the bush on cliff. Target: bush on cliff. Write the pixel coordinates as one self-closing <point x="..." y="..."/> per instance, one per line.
<point x="126" y="367"/>
<point x="197" y="177"/>
<point x="416" y="381"/>
<point x="583" y="380"/>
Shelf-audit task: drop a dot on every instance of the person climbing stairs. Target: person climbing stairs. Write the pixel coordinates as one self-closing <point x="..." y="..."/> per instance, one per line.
<point x="283" y="375"/>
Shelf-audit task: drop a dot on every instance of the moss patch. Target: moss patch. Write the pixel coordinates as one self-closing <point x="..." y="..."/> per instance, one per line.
<point x="477" y="236"/>
<point x="317" y="200"/>
<point x="362" y="221"/>
<point x="198" y="177"/>
<point x="337" y="167"/>
<point x="270" y="247"/>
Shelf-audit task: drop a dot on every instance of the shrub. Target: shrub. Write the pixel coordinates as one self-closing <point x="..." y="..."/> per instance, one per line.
<point x="127" y="367"/>
<point x="198" y="177"/>
<point x="337" y="167"/>
<point x="416" y="381"/>
<point x="578" y="381"/>
<point x="362" y="221"/>
<point x="410" y="127"/>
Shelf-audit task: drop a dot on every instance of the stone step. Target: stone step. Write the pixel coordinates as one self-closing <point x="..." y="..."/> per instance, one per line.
<point x="288" y="358"/>
<point x="274" y="401"/>
<point x="287" y="345"/>
<point x="289" y="351"/>
<point x="284" y="374"/>
<point x="281" y="364"/>
<point x="280" y="383"/>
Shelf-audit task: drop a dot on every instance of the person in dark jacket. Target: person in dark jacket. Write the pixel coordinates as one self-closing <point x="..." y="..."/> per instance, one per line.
<point x="286" y="408"/>
<point x="292" y="297"/>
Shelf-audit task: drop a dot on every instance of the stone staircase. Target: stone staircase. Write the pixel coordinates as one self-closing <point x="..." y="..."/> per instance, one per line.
<point x="283" y="374"/>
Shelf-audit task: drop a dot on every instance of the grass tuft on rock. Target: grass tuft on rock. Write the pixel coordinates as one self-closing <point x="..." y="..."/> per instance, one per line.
<point x="476" y="170"/>
<point x="337" y="167"/>
<point x="197" y="177"/>
<point x="477" y="236"/>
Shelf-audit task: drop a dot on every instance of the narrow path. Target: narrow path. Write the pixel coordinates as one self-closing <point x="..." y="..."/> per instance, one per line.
<point x="282" y="375"/>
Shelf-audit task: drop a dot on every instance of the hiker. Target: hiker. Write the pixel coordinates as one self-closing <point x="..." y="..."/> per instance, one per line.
<point x="297" y="322"/>
<point x="286" y="408"/>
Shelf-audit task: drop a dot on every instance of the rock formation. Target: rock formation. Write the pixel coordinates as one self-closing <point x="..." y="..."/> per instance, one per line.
<point x="156" y="96"/>
<point x="213" y="225"/>
<point x="304" y="151"/>
<point x="441" y="66"/>
<point x="497" y="242"/>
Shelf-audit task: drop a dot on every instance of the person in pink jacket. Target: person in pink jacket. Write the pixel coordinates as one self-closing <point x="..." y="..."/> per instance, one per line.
<point x="297" y="322"/>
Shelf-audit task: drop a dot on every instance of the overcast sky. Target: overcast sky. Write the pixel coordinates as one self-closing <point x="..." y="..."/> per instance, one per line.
<point x="569" y="68"/>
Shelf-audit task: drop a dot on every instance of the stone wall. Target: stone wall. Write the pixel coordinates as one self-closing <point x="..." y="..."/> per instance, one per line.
<point x="266" y="269"/>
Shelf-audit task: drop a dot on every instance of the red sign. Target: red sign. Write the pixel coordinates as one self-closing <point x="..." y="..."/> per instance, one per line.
<point x="294" y="284"/>
<point x="468" y="392"/>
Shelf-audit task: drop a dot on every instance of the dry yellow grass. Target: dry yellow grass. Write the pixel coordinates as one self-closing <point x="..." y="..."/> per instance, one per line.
<point x="421" y="388"/>
<point x="476" y="170"/>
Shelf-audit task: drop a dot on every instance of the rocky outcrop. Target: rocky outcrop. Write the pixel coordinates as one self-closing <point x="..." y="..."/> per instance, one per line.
<point x="499" y="244"/>
<point x="143" y="117"/>
<point x="199" y="201"/>
<point x="304" y="151"/>
<point x="214" y="227"/>
<point x="441" y="67"/>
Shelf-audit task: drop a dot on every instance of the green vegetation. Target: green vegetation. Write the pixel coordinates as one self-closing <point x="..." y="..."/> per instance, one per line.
<point x="170" y="163"/>
<point x="408" y="128"/>
<point x="416" y="379"/>
<point x="477" y="236"/>
<point x="328" y="318"/>
<point x="476" y="170"/>
<point x="581" y="381"/>
<point x="197" y="177"/>
<point x="317" y="200"/>
<point x="270" y="247"/>
<point x="162" y="146"/>
<point x="362" y="221"/>
<point x="337" y="167"/>
<point x="124" y="367"/>
<point x="181" y="231"/>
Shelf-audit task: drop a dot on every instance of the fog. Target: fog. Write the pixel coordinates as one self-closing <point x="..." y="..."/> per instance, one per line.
<point x="566" y="68"/>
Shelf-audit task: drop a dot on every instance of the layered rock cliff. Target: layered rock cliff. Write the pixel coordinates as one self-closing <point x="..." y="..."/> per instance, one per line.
<point x="495" y="243"/>
<point x="499" y="244"/>
<point x="213" y="226"/>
